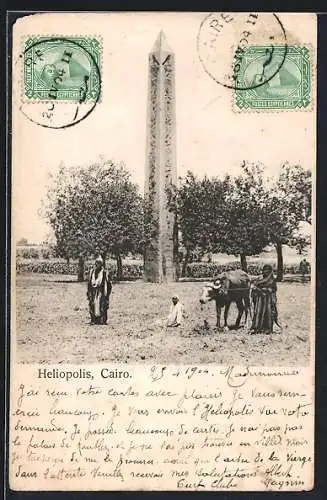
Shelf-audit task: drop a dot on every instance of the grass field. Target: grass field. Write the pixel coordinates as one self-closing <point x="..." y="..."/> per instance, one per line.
<point x="53" y="326"/>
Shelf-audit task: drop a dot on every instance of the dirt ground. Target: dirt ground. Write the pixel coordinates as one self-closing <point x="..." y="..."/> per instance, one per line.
<point x="53" y="326"/>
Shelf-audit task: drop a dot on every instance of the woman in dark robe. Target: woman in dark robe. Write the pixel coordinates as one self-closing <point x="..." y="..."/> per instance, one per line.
<point x="98" y="292"/>
<point x="264" y="302"/>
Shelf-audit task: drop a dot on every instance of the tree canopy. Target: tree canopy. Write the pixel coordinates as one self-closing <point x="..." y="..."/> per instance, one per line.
<point x="288" y="203"/>
<point x="199" y="205"/>
<point x="98" y="210"/>
<point x="242" y="215"/>
<point x="95" y="210"/>
<point x="245" y="232"/>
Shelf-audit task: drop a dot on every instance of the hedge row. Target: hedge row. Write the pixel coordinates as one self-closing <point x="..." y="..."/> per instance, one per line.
<point x="130" y="271"/>
<point x="210" y="270"/>
<point x="134" y="271"/>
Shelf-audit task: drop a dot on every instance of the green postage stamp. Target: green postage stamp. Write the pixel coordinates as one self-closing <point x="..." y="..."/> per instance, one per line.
<point x="286" y="79"/>
<point x="62" y="69"/>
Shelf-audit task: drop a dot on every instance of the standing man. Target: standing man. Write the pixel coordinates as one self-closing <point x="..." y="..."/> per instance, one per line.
<point x="264" y="296"/>
<point x="98" y="291"/>
<point x="304" y="269"/>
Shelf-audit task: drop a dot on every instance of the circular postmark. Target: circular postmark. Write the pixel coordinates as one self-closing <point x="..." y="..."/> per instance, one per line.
<point x="61" y="81"/>
<point x="225" y="39"/>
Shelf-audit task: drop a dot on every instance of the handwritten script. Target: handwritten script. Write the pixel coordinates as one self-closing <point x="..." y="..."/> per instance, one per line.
<point x="162" y="428"/>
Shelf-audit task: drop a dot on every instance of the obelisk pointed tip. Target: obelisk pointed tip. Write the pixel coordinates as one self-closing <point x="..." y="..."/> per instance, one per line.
<point x="161" y="45"/>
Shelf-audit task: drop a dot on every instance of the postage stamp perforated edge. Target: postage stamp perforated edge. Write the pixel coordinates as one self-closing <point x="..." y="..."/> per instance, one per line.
<point x="272" y="110"/>
<point x="24" y="99"/>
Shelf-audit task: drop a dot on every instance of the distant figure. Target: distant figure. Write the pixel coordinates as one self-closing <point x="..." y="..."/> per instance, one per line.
<point x="175" y="316"/>
<point x="98" y="292"/>
<point x="265" y="302"/>
<point x="304" y="269"/>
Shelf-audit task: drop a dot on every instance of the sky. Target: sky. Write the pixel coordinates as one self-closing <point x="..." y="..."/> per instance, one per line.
<point x="212" y="138"/>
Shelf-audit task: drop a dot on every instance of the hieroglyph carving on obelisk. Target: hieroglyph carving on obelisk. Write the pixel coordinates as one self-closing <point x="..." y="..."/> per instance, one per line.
<point x="160" y="259"/>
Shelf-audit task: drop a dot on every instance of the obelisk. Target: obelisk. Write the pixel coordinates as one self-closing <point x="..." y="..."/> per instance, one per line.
<point x="160" y="256"/>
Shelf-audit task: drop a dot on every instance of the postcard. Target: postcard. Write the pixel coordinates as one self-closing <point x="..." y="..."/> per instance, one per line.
<point x="163" y="251"/>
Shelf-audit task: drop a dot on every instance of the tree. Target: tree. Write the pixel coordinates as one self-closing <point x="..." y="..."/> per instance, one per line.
<point x="241" y="216"/>
<point x="288" y="204"/>
<point x="245" y="231"/>
<point x="199" y="207"/>
<point x="302" y="237"/>
<point x="295" y="185"/>
<point x="95" y="210"/>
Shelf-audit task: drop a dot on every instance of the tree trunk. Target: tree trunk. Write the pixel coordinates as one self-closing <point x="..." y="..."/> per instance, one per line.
<point x="104" y="255"/>
<point x="80" y="273"/>
<point x="185" y="262"/>
<point x="280" y="263"/>
<point x="119" y="266"/>
<point x="244" y="264"/>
